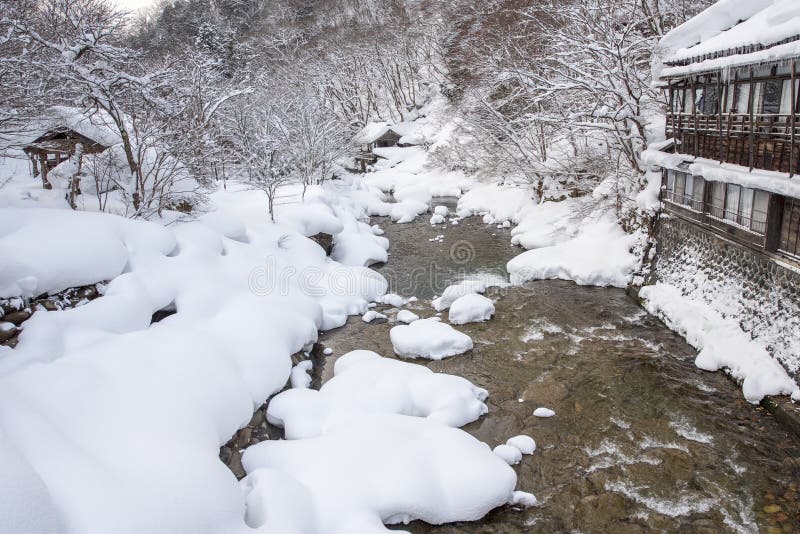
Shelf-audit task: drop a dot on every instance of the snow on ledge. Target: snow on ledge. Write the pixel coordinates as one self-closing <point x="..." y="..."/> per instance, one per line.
<point x="721" y="343"/>
<point x="713" y="171"/>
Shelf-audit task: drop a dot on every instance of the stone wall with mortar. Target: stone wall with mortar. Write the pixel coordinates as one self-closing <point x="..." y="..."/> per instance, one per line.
<point x="761" y="292"/>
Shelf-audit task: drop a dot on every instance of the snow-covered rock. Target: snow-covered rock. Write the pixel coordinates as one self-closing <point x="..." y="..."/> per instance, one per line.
<point x="471" y="308"/>
<point x="365" y="382"/>
<point x="456" y="291"/>
<point x="510" y="455"/>
<point x="372" y="315"/>
<point x="543" y="412"/>
<point x="393" y="300"/>
<point x="429" y="338"/>
<point x="300" y="377"/>
<point x="407" y="317"/>
<point x="525" y="444"/>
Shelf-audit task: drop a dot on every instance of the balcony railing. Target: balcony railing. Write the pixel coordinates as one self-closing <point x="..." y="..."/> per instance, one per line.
<point x="769" y="142"/>
<point x="777" y="126"/>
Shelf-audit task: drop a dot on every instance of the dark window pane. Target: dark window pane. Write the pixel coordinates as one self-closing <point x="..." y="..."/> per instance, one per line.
<point x="771" y="103"/>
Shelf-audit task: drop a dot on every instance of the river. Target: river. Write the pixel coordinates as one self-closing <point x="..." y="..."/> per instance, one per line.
<point x="642" y="441"/>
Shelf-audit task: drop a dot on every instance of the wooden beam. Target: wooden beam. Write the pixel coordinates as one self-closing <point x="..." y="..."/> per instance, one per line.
<point x="694" y="114"/>
<point x="792" y="119"/>
<point x="751" y="111"/>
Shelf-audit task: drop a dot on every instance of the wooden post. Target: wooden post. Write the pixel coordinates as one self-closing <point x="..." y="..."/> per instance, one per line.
<point x="792" y="120"/>
<point x="694" y="114"/>
<point x="45" y="183"/>
<point x="722" y="100"/>
<point x="32" y="157"/>
<point x="750" y="106"/>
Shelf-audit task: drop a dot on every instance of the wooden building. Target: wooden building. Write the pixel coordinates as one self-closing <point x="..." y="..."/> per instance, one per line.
<point x="732" y="127"/>
<point x="55" y="138"/>
<point x="379" y="135"/>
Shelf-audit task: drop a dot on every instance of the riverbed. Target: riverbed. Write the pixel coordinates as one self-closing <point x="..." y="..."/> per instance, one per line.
<point x="642" y="440"/>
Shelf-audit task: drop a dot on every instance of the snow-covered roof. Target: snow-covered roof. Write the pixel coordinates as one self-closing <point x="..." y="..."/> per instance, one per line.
<point x="97" y="125"/>
<point x="375" y="130"/>
<point x="735" y="33"/>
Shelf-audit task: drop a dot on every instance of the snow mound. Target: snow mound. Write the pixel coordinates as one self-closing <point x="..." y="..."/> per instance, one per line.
<point x="525" y="444"/>
<point x="375" y="469"/>
<point x="300" y="377"/>
<point x="372" y="315"/>
<point x="375" y="445"/>
<point x="437" y="219"/>
<point x="543" y="412"/>
<point x="428" y="338"/>
<point x="405" y="316"/>
<point x="442" y="211"/>
<point x="393" y="300"/>
<point x="56" y="249"/>
<point x="456" y="291"/>
<point x="510" y="455"/>
<point x="471" y="308"/>
<point x="601" y="254"/>
<point x="721" y="343"/>
<point x="365" y="382"/>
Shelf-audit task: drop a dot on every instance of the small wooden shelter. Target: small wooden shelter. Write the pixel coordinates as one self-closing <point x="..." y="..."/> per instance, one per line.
<point x="56" y="137"/>
<point x="56" y="146"/>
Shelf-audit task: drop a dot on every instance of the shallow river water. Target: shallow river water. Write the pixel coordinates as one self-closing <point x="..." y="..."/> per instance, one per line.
<point x="642" y="441"/>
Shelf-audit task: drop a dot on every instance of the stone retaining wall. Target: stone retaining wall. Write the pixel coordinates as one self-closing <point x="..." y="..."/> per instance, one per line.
<point x="761" y="292"/>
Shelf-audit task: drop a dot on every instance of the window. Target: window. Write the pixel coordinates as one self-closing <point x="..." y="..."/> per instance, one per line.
<point x="717" y="207"/>
<point x="685" y="189"/>
<point x="677" y="100"/>
<point x="708" y="101"/>
<point x="760" y="210"/>
<point x="771" y="99"/>
<point x="743" y="98"/>
<point x="790" y="227"/>
<point x="732" y="203"/>
<point x="740" y="206"/>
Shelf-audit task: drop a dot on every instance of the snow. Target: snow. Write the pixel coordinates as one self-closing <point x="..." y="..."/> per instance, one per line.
<point x="543" y="412"/>
<point x="437" y="474"/>
<point x="437" y="219"/>
<point x="574" y="239"/>
<point x="300" y="377"/>
<point x="471" y="308"/>
<point x="525" y="444"/>
<point x="136" y="412"/>
<point x="441" y="210"/>
<point x="600" y="254"/>
<point x="51" y="248"/>
<point x="428" y="338"/>
<point x="328" y="351"/>
<point x="456" y="291"/>
<point x="405" y="316"/>
<point x="365" y="382"/>
<point x="718" y="28"/>
<point x="331" y="474"/>
<point x="391" y="299"/>
<point x="721" y="343"/>
<point x="510" y="455"/>
<point x="372" y="315"/>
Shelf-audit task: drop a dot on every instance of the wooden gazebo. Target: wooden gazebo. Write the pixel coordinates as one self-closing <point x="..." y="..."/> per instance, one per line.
<point x="56" y="146"/>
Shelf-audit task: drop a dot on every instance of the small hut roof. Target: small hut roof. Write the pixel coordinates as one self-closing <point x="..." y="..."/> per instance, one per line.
<point x="95" y="125"/>
<point x="375" y="130"/>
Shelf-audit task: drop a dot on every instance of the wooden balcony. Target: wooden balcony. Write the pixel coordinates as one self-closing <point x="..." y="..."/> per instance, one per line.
<point x="768" y="142"/>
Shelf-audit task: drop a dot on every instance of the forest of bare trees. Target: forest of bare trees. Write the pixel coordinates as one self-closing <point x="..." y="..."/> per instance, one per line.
<point x="200" y="91"/>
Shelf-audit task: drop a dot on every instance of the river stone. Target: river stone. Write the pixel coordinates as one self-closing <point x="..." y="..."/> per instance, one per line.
<point x="17" y="317"/>
<point x="545" y="392"/>
<point x="7" y="331"/>
<point x="325" y="241"/>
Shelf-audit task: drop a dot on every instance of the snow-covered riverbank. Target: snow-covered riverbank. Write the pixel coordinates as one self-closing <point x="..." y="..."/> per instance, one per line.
<point x="137" y="412"/>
